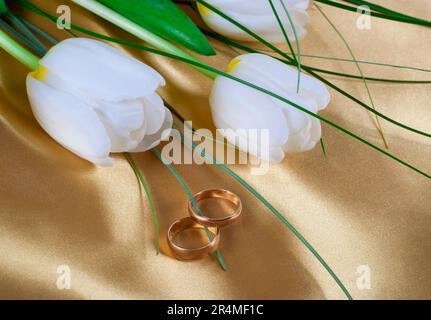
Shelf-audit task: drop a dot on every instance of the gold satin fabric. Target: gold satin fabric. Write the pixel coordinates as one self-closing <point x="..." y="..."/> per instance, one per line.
<point x="357" y="208"/>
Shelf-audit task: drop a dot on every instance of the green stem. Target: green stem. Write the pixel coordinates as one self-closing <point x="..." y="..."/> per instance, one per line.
<point x="136" y="30"/>
<point x="18" y="52"/>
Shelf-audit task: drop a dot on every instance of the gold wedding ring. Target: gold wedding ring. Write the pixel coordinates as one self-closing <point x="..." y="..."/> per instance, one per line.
<point x="215" y="194"/>
<point x="192" y="253"/>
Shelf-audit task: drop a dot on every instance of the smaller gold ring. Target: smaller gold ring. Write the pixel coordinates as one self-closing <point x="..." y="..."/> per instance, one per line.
<point x="216" y="194"/>
<point x="192" y="253"/>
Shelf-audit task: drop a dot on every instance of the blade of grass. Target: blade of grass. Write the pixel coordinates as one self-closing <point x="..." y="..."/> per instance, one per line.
<point x="39" y="31"/>
<point x="192" y="199"/>
<point x="283" y="30"/>
<point x="352" y="76"/>
<point x="250" y="49"/>
<point x="251" y="85"/>
<point x="378" y="124"/>
<point x="374" y="14"/>
<point x="298" y="48"/>
<point x="368" y="62"/>
<point x="322" y="144"/>
<point x="144" y="184"/>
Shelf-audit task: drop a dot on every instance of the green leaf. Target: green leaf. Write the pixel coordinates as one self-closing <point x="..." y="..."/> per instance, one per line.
<point x="165" y="19"/>
<point x="3" y="7"/>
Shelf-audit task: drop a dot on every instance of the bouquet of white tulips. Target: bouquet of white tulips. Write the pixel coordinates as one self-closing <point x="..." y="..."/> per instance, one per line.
<point x="95" y="99"/>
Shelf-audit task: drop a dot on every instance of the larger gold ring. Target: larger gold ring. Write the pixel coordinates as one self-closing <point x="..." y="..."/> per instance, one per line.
<point x="192" y="253"/>
<point x="220" y="194"/>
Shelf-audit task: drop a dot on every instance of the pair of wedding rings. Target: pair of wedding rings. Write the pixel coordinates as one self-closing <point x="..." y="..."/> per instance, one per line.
<point x="198" y="220"/>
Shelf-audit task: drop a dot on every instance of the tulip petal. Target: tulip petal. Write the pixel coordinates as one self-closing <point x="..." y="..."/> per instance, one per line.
<point x="124" y="122"/>
<point x="258" y="17"/>
<point x="151" y="141"/>
<point x="242" y="107"/>
<point x="70" y="121"/>
<point x="154" y="112"/>
<point x="283" y="78"/>
<point x="98" y="71"/>
<point x="251" y="143"/>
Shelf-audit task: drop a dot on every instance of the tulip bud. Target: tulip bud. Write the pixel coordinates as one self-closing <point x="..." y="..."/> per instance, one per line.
<point x="94" y="99"/>
<point x="257" y="16"/>
<point x="237" y="108"/>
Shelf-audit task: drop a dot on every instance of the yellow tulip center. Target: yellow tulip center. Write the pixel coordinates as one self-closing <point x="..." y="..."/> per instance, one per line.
<point x="40" y="73"/>
<point x="232" y="65"/>
<point x="203" y="10"/>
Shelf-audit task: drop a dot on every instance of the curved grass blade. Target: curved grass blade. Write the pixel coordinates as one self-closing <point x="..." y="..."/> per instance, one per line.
<point x="274" y="211"/>
<point x="39" y="31"/>
<point x="352" y="76"/>
<point x="374" y="14"/>
<point x="286" y="37"/>
<point x="309" y="70"/>
<point x="251" y="85"/>
<point x="368" y="62"/>
<point x="378" y="124"/>
<point x="250" y="49"/>
<point x="192" y="199"/>
<point x="298" y="48"/>
<point x="144" y="184"/>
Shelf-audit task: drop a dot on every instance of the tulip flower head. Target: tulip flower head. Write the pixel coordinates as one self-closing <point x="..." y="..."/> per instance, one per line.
<point x="94" y="99"/>
<point x="258" y="16"/>
<point x="237" y="108"/>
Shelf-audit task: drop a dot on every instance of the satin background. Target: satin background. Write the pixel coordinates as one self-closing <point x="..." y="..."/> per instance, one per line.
<point x="357" y="208"/>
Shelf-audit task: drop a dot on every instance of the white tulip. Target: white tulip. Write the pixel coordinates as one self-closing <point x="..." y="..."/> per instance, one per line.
<point x="258" y="16"/>
<point x="241" y="108"/>
<point x="94" y="99"/>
